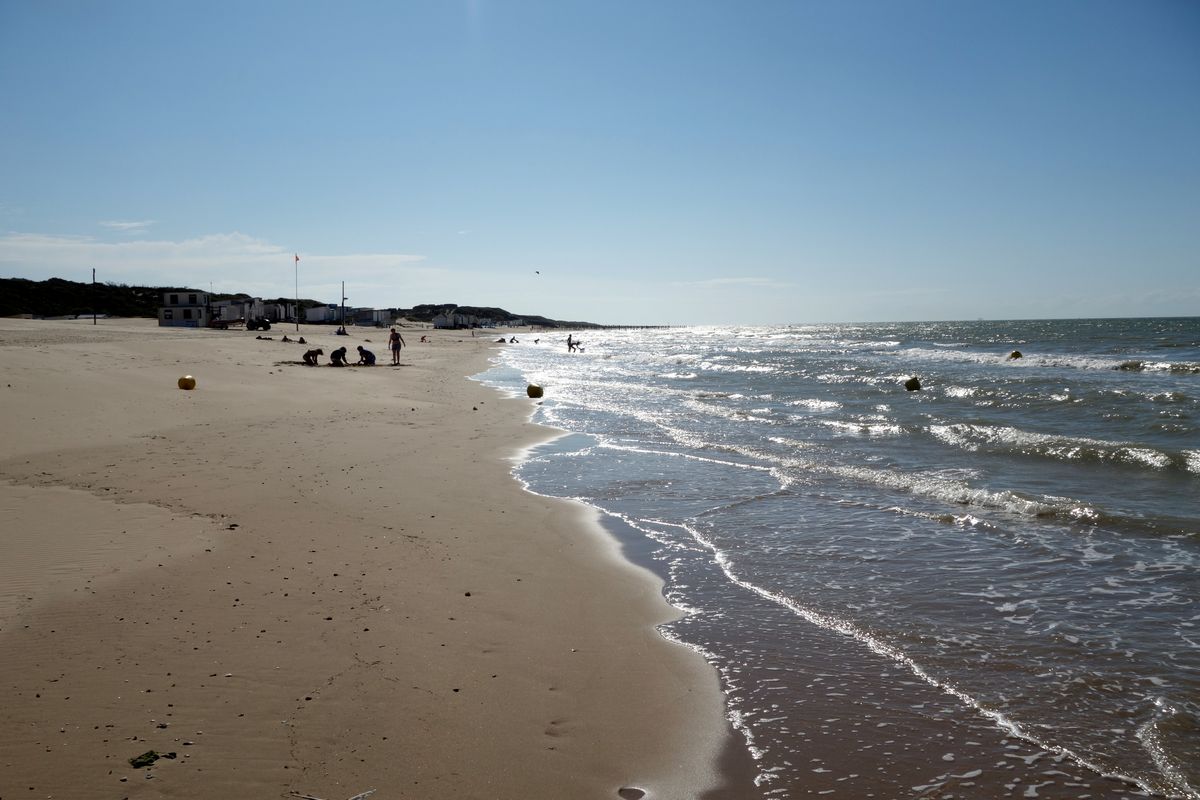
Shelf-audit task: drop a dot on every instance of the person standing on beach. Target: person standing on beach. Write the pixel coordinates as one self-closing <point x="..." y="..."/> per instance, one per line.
<point x="570" y="344"/>
<point x="395" y="342"/>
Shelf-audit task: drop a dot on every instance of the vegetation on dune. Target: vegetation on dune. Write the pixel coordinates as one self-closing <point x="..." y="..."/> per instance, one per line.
<point x="62" y="298"/>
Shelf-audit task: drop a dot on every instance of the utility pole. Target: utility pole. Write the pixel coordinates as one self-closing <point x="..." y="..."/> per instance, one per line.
<point x="344" y="299"/>
<point x="296" y="312"/>
<point x="93" y="295"/>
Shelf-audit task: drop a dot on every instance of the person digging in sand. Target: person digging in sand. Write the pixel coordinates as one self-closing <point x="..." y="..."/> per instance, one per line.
<point x="338" y="358"/>
<point x="365" y="356"/>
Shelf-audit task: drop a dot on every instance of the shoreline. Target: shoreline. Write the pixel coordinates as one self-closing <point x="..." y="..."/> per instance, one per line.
<point x="318" y="601"/>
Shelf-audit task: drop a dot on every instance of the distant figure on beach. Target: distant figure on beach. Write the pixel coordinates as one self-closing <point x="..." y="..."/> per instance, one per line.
<point x="570" y="343"/>
<point x="301" y="340"/>
<point x="424" y="339"/>
<point x="365" y="356"/>
<point x="513" y="340"/>
<point x="285" y="338"/>
<point x="341" y="332"/>
<point x="310" y="357"/>
<point x="338" y="357"/>
<point x="395" y="342"/>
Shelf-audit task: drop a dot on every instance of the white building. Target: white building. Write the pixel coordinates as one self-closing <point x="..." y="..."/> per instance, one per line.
<point x="377" y="317"/>
<point x="455" y="320"/>
<point x="234" y="310"/>
<point x="326" y="313"/>
<point x="184" y="309"/>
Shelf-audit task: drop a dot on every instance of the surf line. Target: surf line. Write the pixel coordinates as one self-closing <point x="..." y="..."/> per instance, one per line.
<point x="884" y="649"/>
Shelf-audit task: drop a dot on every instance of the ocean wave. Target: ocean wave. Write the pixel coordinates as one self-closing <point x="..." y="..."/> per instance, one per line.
<point x="869" y="428"/>
<point x="1084" y="362"/>
<point x="814" y="404"/>
<point x="882" y="645"/>
<point x="940" y="488"/>
<point x="713" y="365"/>
<point x="1006" y="439"/>
<point x="1175" y="368"/>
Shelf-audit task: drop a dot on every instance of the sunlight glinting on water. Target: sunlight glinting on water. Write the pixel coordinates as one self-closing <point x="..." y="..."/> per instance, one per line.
<point x="1021" y="536"/>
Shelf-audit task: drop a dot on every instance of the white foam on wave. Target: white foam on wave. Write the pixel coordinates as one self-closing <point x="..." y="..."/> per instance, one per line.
<point x="889" y="651"/>
<point x="713" y="366"/>
<point x="972" y="438"/>
<point x="939" y="487"/>
<point x="1149" y="735"/>
<point x="864" y="428"/>
<point x="814" y="404"/>
<point x="1045" y="360"/>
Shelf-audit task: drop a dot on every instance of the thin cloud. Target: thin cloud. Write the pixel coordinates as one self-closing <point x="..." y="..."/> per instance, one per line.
<point x="719" y="283"/>
<point x="227" y="261"/>
<point x="128" y="226"/>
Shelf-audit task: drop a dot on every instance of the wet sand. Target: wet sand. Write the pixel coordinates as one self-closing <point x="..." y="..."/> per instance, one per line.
<point x="315" y="581"/>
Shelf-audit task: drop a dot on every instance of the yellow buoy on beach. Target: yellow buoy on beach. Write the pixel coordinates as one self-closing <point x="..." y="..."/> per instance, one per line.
<point x="533" y="390"/>
<point x="187" y="382"/>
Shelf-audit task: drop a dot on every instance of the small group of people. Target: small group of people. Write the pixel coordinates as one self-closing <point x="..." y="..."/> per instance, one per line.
<point x="339" y="358"/>
<point x="573" y="344"/>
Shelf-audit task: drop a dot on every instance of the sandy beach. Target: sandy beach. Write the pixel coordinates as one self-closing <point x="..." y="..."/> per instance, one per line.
<point x="314" y="582"/>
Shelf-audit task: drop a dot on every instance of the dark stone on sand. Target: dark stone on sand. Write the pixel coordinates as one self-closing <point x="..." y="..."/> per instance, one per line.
<point x="147" y="758"/>
<point x="912" y="385"/>
<point x="630" y="793"/>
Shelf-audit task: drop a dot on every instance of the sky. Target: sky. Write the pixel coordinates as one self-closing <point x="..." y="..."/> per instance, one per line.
<point x="618" y="162"/>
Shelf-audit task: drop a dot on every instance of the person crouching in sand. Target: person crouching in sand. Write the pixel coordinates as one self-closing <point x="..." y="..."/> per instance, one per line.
<point x="365" y="356"/>
<point x="338" y="358"/>
<point x="310" y="357"/>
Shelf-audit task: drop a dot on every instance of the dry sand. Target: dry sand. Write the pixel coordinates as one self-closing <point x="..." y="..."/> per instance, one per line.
<point x="314" y="581"/>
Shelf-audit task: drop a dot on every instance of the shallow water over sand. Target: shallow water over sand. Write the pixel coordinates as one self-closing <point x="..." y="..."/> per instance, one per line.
<point x="988" y="587"/>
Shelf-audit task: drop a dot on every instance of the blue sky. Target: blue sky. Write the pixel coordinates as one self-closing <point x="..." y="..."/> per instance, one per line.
<point x="656" y="162"/>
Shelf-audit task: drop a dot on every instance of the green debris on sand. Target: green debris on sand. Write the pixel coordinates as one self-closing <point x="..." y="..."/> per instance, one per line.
<point x="147" y="758"/>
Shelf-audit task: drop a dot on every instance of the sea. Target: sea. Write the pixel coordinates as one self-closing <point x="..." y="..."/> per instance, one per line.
<point x="986" y="587"/>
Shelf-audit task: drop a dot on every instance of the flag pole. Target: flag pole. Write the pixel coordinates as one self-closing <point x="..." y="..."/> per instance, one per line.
<point x="296" y="312"/>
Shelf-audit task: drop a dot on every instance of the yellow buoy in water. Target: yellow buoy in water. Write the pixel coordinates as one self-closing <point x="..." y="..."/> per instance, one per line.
<point x="187" y="382"/>
<point x="533" y="390"/>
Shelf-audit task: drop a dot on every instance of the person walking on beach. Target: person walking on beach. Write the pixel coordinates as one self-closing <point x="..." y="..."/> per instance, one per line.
<point x="395" y="342"/>
<point x="570" y="343"/>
